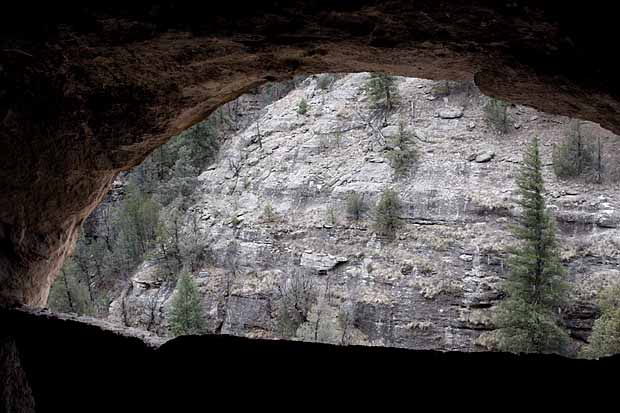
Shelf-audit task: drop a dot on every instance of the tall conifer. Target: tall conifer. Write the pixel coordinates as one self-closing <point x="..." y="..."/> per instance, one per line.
<point x="529" y="319"/>
<point x="186" y="316"/>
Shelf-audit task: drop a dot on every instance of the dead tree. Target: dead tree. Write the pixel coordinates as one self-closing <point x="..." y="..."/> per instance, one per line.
<point x="234" y="166"/>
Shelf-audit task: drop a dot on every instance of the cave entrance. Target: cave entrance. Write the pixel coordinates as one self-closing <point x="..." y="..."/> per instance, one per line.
<point x="267" y="216"/>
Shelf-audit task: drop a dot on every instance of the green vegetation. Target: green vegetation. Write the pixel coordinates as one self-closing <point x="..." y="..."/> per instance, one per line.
<point x="528" y="319"/>
<point x="496" y="112"/>
<point x="325" y="81"/>
<point x="110" y="246"/>
<point x="387" y="213"/>
<point x="605" y="338"/>
<point x="302" y="107"/>
<point x="235" y="219"/>
<point x="269" y="215"/>
<point x="577" y="156"/>
<point x="382" y="92"/>
<point x="186" y="316"/>
<point x="70" y="293"/>
<point x="143" y="223"/>
<point x="355" y="206"/>
<point x="404" y="154"/>
<point x="138" y="217"/>
<point x="330" y="216"/>
<point x="441" y="88"/>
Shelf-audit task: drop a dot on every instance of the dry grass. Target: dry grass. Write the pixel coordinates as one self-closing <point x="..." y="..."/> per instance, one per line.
<point x="432" y="287"/>
<point x="419" y="325"/>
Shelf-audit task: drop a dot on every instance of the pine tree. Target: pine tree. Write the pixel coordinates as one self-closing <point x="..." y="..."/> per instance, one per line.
<point x="186" y="316"/>
<point x="387" y="219"/>
<point x="382" y="91"/>
<point x="529" y="318"/>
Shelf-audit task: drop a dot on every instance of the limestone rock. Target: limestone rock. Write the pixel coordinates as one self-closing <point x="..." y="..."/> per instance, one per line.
<point x="390" y="131"/>
<point x="434" y="285"/>
<point x="451" y="113"/>
<point x="484" y="157"/>
<point x="320" y="261"/>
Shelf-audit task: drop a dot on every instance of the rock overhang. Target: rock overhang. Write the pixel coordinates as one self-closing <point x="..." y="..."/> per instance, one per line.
<point x="94" y="90"/>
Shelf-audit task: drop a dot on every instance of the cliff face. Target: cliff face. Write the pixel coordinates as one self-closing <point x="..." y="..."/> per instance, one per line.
<point x="87" y="92"/>
<point x="273" y="207"/>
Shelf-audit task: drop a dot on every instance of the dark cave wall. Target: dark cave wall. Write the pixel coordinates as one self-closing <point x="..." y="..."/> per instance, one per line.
<point x="60" y="365"/>
<point x="88" y="92"/>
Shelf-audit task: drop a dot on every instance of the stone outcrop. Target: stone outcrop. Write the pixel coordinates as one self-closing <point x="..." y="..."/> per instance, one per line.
<point x="320" y="262"/>
<point x="86" y="93"/>
<point x="436" y="284"/>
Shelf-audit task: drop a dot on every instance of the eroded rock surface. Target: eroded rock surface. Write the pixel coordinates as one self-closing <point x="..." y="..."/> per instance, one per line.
<point x="432" y="287"/>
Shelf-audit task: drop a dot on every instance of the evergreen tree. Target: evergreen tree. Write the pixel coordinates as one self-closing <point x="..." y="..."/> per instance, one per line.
<point x="529" y="318"/>
<point x="186" y="316"/>
<point x="387" y="213"/>
<point x="404" y="154"/>
<point x="605" y="338"/>
<point x="69" y="294"/>
<point x="138" y="218"/>
<point x="575" y="155"/>
<point x="382" y="91"/>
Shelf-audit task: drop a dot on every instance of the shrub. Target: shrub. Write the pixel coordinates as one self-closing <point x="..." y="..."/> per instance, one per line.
<point x="325" y="81"/>
<point x="387" y="219"/>
<point x="440" y="89"/>
<point x="605" y="338"/>
<point x="337" y="138"/>
<point x="574" y="155"/>
<point x="404" y="154"/>
<point x="69" y="294"/>
<point x="235" y="220"/>
<point x="297" y="296"/>
<point x="330" y="216"/>
<point x="302" y="107"/>
<point x="269" y="214"/>
<point x="496" y="112"/>
<point x="355" y="206"/>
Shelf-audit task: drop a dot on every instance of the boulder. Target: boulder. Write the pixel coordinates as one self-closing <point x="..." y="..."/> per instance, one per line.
<point x="484" y="157"/>
<point x="451" y="113"/>
<point x="320" y="261"/>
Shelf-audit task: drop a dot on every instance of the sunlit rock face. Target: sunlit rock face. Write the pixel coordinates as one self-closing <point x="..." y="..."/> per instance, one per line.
<point x="85" y="94"/>
<point x="435" y="285"/>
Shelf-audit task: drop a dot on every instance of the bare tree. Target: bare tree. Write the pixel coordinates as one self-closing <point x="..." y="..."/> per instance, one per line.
<point x="152" y="306"/>
<point x="234" y="166"/>
<point x="231" y="263"/>
<point x="297" y="295"/>
<point x="259" y="137"/>
<point x="346" y="318"/>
